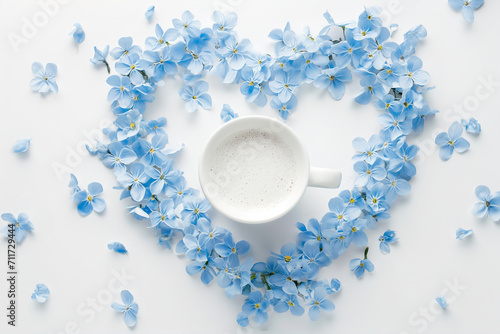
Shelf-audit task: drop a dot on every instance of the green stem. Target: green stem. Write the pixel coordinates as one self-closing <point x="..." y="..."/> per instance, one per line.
<point x="366" y="252"/>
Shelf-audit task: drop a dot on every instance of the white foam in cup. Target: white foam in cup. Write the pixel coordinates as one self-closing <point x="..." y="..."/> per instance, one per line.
<point x="254" y="170"/>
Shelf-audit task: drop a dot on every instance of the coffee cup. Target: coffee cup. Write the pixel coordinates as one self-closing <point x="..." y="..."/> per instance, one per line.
<point x="254" y="169"/>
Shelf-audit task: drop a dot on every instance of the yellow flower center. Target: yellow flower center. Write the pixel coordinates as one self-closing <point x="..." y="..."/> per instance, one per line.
<point x="132" y="126"/>
<point x="288" y="258"/>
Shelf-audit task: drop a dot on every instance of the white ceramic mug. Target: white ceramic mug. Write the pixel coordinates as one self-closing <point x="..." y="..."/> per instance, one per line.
<point x="305" y="175"/>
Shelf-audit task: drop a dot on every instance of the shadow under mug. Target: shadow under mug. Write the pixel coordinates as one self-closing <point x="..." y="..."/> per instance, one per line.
<point x="306" y="175"/>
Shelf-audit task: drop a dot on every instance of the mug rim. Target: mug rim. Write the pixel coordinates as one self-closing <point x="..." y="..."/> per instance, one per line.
<point x="303" y="170"/>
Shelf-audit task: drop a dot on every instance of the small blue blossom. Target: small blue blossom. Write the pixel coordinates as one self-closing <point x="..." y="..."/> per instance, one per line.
<point x="100" y="57"/>
<point x="135" y="179"/>
<point x="227" y="113"/>
<point x="195" y="209"/>
<point x="125" y="47"/>
<point x="129" y="308"/>
<point x="117" y="247"/>
<point x="149" y="13"/>
<point x="462" y="234"/>
<point x="284" y="84"/>
<point x="21" y="226"/>
<point x="359" y="266"/>
<point x="368" y="173"/>
<point x="319" y="302"/>
<point x="256" y="305"/>
<point x="120" y="90"/>
<point x="289" y="303"/>
<point x="441" y="300"/>
<point x="451" y="141"/>
<point x="44" y="81"/>
<point x="78" y="33"/>
<point x="21" y="146"/>
<point x="207" y="272"/>
<point x="489" y="204"/>
<point x="334" y="79"/>
<point x="385" y="239"/>
<point x="467" y="7"/>
<point x="471" y="126"/>
<point x="196" y="96"/>
<point x="41" y="293"/>
<point x="284" y="108"/>
<point x="89" y="201"/>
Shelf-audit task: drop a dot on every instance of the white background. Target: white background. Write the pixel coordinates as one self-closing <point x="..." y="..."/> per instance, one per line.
<point x="69" y="254"/>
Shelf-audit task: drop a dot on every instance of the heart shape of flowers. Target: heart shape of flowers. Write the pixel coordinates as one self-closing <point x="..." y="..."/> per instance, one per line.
<point x="139" y="153"/>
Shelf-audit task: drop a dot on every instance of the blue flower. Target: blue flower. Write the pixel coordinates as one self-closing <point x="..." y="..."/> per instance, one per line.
<point x="44" y="81"/>
<point x="349" y="51"/>
<point x="78" y="33"/>
<point x="162" y="39"/>
<point x="158" y="63"/>
<point x="489" y="204"/>
<point x="21" y="226"/>
<point x="289" y="302"/>
<point x="195" y="209"/>
<point x="227" y="113"/>
<point x="371" y="87"/>
<point x="100" y="57"/>
<point x="462" y="234"/>
<point x="41" y="293"/>
<point x="128" y="124"/>
<point x="125" y="47"/>
<point x="129" y="308"/>
<point x="441" y="300"/>
<point x="234" y="52"/>
<point x="257" y="305"/>
<point x="314" y="259"/>
<point x="368" y="151"/>
<point x="196" y="96"/>
<point x="368" y="173"/>
<point x="21" y="146"/>
<point x="207" y="272"/>
<point x="149" y="13"/>
<point x="467" y="7"/>
<point x="385" y="239"/>
<point x="284" y="108"/>
<point x="117" y="247"/>
<point x="451" y="141"/>
<point x="224" y="24"/>
<point x="163" y="176"/>
<point x="359" y="266"/>
<point x="228" y="248"/>
<point x="411" y="73"/>
<point x="167" y="214"/>
<point x="319" y="302"/>
<point x="129" y="65"/>
<point x="334" y="79"/>
<point x="395" y="186"/>
<point x="396" y="124"/>
<point x="118" y="156"/>
<point x="151" y="153"/>
<point x="89" y="201"/>
<point x="471" y="126"/>
<point x="283" y="85"/>
<point x="134" y="179"/>
<point x="188" y="26"/>
<point x="120" y="90"/>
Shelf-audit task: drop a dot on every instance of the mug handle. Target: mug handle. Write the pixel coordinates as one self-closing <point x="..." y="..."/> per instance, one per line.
<point x="324" y="178"/>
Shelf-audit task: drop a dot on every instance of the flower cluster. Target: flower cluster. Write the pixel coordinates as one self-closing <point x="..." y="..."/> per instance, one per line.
<point x="139" y="153"/>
